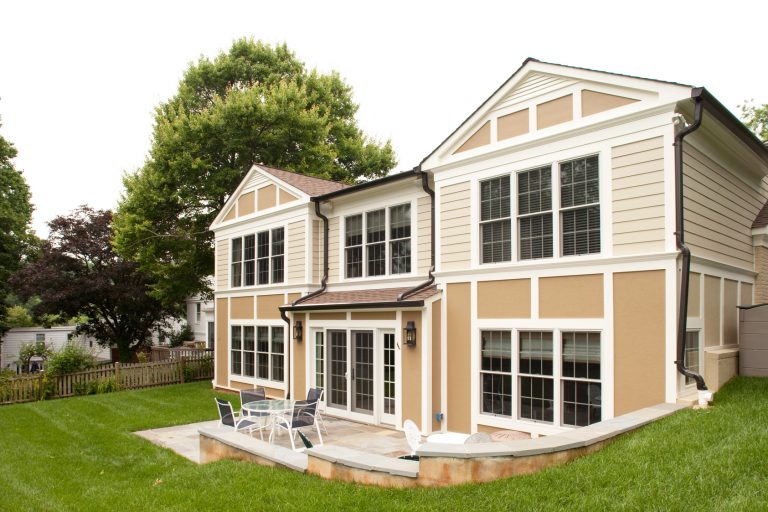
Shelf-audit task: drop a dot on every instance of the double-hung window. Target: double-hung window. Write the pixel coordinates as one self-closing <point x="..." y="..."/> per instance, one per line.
<point x="580" y="206"/>
<point x="496" y="372"/>
<point x="270" y="356"/>
<point x="242" y="353"/>
<point x="534" y="210"/>
<point x="368" y="237"/>
<point x="259" y="258"/>
<point x="495" y="222"/>
<point x="582" y="391"/>
<point x="537" y="392"/>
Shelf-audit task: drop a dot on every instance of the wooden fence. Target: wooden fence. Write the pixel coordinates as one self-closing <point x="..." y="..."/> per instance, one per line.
<point x="193" y="365"/>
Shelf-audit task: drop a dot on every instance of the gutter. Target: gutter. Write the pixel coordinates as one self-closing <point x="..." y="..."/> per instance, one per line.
<point x="356" y="305"/>
<point x="431" y="278"/>
<point x="682" y="316"/>
<point x="324" y="281"/>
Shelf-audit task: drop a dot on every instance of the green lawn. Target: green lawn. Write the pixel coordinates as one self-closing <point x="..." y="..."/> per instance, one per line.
<point x="79" y="454"/>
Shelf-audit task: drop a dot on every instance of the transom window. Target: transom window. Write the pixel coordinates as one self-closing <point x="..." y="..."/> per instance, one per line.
<point x="259" y="258"/>
<point x="528" y="390"/>
<point x="258" y="352"/>
<point x="577" y="216"/>
<point x="367" y="237"/>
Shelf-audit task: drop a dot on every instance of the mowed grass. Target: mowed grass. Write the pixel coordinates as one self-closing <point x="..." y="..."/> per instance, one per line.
<point x="80" y="454"/>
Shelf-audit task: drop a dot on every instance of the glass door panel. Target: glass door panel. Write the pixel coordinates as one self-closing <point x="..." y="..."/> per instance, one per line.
<point x="337" y="369"/>
<point x="362" y="371"/>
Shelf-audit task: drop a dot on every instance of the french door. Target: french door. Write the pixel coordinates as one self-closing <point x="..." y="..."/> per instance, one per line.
<point x="361" y="374"/>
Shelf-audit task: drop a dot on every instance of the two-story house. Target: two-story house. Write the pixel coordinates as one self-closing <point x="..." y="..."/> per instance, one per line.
<point x="526" y="275"/>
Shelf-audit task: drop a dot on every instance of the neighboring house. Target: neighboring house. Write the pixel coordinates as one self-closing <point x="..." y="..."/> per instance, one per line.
<point x="200" y="319"/>
<point x="554" y="297"/>
<point x="54" y="337"/>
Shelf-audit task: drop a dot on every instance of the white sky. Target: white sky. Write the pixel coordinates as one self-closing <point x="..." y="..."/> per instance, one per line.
<point x="79" y="80"/>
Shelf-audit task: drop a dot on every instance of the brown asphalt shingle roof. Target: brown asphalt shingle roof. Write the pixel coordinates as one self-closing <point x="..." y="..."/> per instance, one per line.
<point x="762" y="218"/>
<point x="367" y="296"/>
<point x="307" y="184"/>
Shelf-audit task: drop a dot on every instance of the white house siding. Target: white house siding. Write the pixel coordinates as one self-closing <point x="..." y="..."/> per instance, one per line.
<point x="719" y="210"/>
<point x="455" y="239"/>
<point x="638" y="197"/>
<point x="317" y="251"/>
<point x="296" y="252"/>
<point x="536" y="84"/>
<point x="334" y="252"/>
<point x="423" y="231"/>
<point x="55" y="338"/>
<point x="222" y="264"/>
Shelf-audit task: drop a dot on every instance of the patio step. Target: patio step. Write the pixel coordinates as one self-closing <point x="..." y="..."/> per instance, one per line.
<point x="256" y="447"/>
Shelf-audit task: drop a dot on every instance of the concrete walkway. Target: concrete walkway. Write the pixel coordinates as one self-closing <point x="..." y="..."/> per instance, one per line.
<point x="183" y="439"/>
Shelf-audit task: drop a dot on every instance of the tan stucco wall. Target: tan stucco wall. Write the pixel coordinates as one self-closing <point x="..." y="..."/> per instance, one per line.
<point x="267" y="197"/>
<point x="246" y="204"/>
<point x="231" y="214"/>
<point x="509" y="298"/>
<point x="267" y="306"/>
<point x="327" y="316"/>
<point x="242" y="308"/>
<point x="374" y="315"/>
<point x="222" y="341"/>
<point x="730" y="313"/>
<point x="411" y="369"/>
<point x="299" y="359"/>
<point x="458" y="348"/>
<point x="512" y="125"/>
<point x="711" y="311"/>
<point x="286" y="197"/>
<point x="271" y="392"/>
<point x="554" y="112"/>
<point x="639" y="342"/>
<point x="437" y="366"/>
<point x="746" y="294"/>
<point x="593" y="102"/>
<point x="480" y="138"/>
<point x="571" y="296"/>
<point x="694" y="295"/>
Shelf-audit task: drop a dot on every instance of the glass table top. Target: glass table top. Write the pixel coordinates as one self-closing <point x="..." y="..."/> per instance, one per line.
<point x="269" y="405"/>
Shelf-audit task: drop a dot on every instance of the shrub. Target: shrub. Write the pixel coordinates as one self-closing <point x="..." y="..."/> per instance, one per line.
<point x="70" y="359"/>
<point x="184" y="334"/>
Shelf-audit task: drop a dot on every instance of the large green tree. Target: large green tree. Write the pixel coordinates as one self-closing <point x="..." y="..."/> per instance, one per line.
<point x="16" y="237"/>
<point x="254" y="104"/>
<point x="756" y="118"/>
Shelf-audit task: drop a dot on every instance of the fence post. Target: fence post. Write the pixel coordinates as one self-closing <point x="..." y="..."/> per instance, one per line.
<point x="117" y="374"/>
<point x="183" y="360"/>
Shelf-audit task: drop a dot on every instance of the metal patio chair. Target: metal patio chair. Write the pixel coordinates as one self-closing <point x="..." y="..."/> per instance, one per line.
<point x="302" y="415"/>
<point x="316" y="395"/>
<point x="229" y="418"/>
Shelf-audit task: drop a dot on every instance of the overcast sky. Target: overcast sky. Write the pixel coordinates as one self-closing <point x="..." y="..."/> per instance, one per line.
<point x="79" y="80"/>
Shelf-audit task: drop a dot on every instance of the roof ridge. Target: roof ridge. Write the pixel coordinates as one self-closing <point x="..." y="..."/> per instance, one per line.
<point x="271" y="168"/>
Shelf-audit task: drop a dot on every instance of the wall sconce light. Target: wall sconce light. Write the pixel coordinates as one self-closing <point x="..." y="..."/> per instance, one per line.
<point x="410" y="334"/>
<point x="297" y="330"/>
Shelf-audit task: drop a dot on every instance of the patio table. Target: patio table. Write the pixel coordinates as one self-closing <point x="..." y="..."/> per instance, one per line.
<point x="271" y="408"/>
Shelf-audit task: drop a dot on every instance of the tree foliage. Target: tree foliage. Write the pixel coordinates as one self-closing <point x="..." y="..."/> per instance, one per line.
<point x="16" y="237"/>
<point x="78" y="273"/>
<point x="756" y="118"/>
<point x="253" y="104"/>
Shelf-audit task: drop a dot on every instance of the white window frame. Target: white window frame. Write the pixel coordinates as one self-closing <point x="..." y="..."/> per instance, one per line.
<point x="198" y="312"/>
<point x="269" y="381"/>
<point x="387" y="241"/>
<point x="269" y="257"/>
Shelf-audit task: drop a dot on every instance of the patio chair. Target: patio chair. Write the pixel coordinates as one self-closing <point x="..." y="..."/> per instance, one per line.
<point x="302" y="415"/>
<point x="254" y="395"/>
<point x="413" y="437"/>
<point x="229" y="418"/>
<point x="316" y="395"/>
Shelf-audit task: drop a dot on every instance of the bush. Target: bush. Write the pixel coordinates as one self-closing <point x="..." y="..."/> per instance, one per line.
<point x="70" y="359"/>
<point x="186" y="333"/>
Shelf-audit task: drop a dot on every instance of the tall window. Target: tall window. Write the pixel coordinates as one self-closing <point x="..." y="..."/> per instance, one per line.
<point x="375" y="242"/>
<point x="211" y="335"/>
<point x="534" y="209"/>
<point x="537" y="393"/>
<point x="495" y="223"/>
<point x="582" y="400"/>
<point x="353" y="243"/>
<point x="259" y="258"/>
<point x="367" y="237"/>
<point x="248" y="351"/>
<point x="400" y="238"/>
<point x="242" y="350"/>
<point x="389" y="373"/>
<point x="496" y="372"/>
<point x="198" y="312"/>
<point x="277" y="367"/>
<point x="580" y="206"/>
<point x="319" y="360"/>
<point x="236" y="343"/>
<point x="691" y="356"/>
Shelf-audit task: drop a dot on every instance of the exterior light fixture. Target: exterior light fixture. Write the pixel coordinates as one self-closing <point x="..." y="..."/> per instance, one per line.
<point x="410" y="334"/>
<point x="297" y="330"/>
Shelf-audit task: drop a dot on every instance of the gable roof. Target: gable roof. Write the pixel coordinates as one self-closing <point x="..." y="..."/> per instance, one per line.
<point x="519" y="74"/>
<point x="310" y="185"/>
<point x="762" y="218"/>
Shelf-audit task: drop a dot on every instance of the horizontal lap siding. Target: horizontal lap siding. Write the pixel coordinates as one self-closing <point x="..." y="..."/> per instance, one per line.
<point x="638" y="197"/>
<point x="317" y="251"/>
<point x="296" y="252"/>
<point x="222" y="264"/>
<point x="333" y="249"/>
<point x="535" y="85"/>
<point x="455" y="245"/>
<point x="423" y="230"/>
<point x="719" y="210"/>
